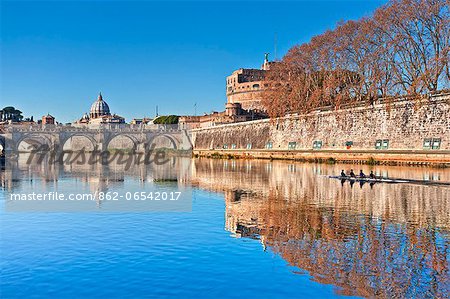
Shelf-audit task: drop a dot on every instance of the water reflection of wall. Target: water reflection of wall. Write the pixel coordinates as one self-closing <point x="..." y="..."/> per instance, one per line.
<point x="404" y="203"/>
<point x="384" y="240"/>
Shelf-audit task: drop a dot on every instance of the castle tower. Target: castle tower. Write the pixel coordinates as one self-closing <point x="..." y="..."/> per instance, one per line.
<point x="266" y="64"/>
<point x="245" y="86"/>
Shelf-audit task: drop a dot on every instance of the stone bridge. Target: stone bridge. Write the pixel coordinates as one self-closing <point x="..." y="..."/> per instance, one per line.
<point x="57" y="137"/>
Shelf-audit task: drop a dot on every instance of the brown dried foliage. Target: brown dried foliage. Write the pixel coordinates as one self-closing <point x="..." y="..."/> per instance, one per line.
<point x="402" y="49"/>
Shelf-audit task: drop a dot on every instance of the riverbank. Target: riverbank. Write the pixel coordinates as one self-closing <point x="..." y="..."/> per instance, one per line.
<point x="379" y="157"/>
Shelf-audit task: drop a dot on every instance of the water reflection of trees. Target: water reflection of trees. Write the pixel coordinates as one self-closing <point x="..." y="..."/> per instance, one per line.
<point x="384" y="241"/>
<point x="360" y="254"/>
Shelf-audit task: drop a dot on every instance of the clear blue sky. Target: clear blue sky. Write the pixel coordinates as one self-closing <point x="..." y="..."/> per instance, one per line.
<point x="57" y="56"/>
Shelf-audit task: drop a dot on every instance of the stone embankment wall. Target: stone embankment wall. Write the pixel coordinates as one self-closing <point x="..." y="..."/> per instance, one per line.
<point x="403" y="131"/>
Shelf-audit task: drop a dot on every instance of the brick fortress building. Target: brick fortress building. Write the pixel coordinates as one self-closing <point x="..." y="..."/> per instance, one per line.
<point x="244" y="89"/>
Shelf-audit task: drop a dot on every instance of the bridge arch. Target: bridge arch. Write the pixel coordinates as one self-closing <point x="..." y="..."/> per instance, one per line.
<point x="70" y="137"/>
<point x="35" y="140"/>
<point x="130" y="137"/>
<point x="164" y="139"/>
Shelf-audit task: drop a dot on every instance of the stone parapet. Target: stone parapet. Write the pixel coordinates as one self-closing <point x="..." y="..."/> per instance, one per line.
<point x="404" y="129"/>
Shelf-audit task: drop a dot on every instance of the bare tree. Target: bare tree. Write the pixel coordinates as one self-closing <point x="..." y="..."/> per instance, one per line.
<point x="404" y="48"/>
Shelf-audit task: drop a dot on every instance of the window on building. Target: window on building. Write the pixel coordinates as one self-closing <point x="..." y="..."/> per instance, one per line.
<point x="256" y="86"/>
<point x="317" y="144"/>
<point x="269" y="145"/>
<point x="436" y="143"/>
<point x="292" y="145"/>
<point x="378" y="144"/>
<point x="233" y="146"/>
<point x="382" y="144"/>
<point x="249" y="146"/>
<point x="225" y="146"/>
<point x="427" y="143"/>
<point x="432" y="143"/>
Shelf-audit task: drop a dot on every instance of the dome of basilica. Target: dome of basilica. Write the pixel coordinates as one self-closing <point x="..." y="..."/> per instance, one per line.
<point x="99" y="108"/>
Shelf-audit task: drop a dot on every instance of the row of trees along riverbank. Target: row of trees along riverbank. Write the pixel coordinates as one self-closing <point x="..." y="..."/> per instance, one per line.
<point x="402" y="49"/>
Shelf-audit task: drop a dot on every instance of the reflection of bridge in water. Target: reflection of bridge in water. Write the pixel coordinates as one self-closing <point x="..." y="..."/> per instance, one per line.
<point x="99" y="176"/>
<point x="70" y="138"/>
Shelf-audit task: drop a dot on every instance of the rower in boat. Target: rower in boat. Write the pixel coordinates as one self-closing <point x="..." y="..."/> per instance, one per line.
<point x="372" y="175"/>
<point x="352" y="174"/>
<point x="343" y="173"/>
<point x="361" y="174"/>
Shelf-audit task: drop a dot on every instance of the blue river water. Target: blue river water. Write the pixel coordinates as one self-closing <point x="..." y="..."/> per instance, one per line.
<point x="227" y="247"/>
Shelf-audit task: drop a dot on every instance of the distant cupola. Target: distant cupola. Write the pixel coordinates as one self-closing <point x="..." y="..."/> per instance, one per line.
<point x="99" y="108"/>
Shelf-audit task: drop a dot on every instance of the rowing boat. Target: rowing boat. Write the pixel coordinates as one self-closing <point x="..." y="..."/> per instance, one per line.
<point x="389" y="180"/>
<point x="369" y="180"/>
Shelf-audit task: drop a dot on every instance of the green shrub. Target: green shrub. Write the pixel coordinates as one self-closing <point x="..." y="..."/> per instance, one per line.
<point x="216" y="155"/>
<point x="331" y="161"/>
<point x="166" y="120"/>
